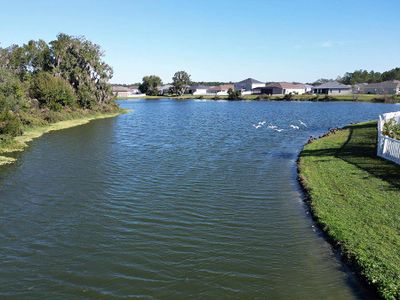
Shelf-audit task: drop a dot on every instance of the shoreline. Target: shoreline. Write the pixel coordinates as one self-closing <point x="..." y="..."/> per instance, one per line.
<point x="322" y="177"/>
<point x="369" y="98"/>
<point x="19" y="143"/>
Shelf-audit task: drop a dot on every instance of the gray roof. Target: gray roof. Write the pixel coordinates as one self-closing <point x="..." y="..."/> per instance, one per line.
<point x="119" y="88"/>
<point x="165" y="87"/>
<point x="250" y="80"/>
<point x="332" y="85"/>
<point x="198" y="87"/>
<point x="390" y="84"/>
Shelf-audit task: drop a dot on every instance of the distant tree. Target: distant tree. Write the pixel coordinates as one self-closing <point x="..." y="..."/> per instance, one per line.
<point x="180" y="81"/>
<point x="234" y="95"/>
<point x="150" y="84"/>
<point x="393" y="74"/>
<point x="364" y="76"/>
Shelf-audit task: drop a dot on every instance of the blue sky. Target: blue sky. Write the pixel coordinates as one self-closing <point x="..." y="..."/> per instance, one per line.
<point x="219" y="40"/>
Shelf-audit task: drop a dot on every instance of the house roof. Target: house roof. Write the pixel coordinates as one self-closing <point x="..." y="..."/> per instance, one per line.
<point x="198" y="87"/>
<point x="221" y="87"/>
<point x="165" y="87"/>
<point x="286" y="85"/>
<point x="383" y="85"/>
<point x="118" y="88"/>
<point x="250" y="80"/>
<point x="332" y="85"/>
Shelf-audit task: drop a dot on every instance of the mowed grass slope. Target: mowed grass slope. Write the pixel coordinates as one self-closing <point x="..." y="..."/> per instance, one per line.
<point x="355" y="197"/>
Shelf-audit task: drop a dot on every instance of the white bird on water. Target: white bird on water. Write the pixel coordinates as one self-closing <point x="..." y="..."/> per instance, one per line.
<point x="302" y="123"/>
<point x="294" y="126"/>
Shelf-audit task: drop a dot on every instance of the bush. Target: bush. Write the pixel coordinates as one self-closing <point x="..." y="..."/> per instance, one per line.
<point x="234" y="95"/>
<point x="391" y="129"/>
<point x="288" y="96"/>
<point x="10" y="124"/>
<point x="52" y="92"/>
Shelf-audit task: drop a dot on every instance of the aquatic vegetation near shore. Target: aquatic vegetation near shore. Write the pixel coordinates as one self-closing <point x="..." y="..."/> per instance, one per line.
<point x="19" y="143"/>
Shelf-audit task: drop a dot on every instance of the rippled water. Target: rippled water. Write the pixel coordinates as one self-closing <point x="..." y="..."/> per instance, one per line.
<point x="175" y="200"/>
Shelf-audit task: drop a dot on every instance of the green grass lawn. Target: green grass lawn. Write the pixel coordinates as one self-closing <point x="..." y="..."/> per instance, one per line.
<point x="355" y="197"/>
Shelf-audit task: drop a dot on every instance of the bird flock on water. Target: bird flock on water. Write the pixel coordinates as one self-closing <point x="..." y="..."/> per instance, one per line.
<point x="276" y="128"/>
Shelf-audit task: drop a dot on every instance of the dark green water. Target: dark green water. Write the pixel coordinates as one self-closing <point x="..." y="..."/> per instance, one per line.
<point x="175" y="200"/>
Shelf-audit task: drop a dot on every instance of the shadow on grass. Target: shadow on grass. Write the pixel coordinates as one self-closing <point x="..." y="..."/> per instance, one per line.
<point x="360" y="151"/>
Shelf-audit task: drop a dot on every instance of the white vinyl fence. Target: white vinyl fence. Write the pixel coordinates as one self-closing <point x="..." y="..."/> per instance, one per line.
<point x="388" y="148"/>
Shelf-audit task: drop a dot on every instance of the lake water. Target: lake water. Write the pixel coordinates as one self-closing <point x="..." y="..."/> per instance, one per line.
<point x="175" y="200"/>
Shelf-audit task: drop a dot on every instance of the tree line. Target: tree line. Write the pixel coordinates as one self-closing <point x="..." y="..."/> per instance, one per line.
<point x="40" y="82"/>
<point x="363" y="76"/>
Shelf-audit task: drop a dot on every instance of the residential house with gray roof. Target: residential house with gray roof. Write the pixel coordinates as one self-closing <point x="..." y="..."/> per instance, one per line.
<point x="284" y="88"/>
<point x="333" y="88"/>
<point x="391" y="87"/>
<point x="248" y="84"/>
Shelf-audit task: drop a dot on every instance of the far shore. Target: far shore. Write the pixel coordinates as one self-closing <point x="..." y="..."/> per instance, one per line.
<point x="19" y="143"/>
<point x="306" y="97"/>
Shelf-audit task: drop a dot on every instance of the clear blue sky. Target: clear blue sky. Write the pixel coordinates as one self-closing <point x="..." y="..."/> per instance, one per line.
<point x="219" y="40"/>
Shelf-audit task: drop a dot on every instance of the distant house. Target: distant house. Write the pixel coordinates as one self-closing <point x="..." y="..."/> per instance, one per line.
<point x="332" y="88"/>
<point x="165" y="89"/>
<point x="358" y="88"/>
<point x="248" y="85"/>
<point x="220" y="90"/>
<point x="126" y="92"/>
<point x="134" y="89"/>
<point x="283" y="88"/>
<point x="391" y="87"/>
<point x="198" y="90"/>
<point x="309" y="88"/>
<point x="121" y="91"/>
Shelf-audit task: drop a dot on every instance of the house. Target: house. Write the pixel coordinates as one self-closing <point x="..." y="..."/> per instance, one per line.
<point x="198" y="90"/>
<point x="120" y="91"/>
<point x="134" y="89"/>
<point x="283" y="88"/>
<point x="248" y="85"/>
<point x="308" y="88"/>
<point x="126" y="92"/>
<point x="391" y="87"/>
<point x="359" y="88"/>
<point x="220" y="90"/>
<point x="332" y="88"/>
<point x="165" y="89"/>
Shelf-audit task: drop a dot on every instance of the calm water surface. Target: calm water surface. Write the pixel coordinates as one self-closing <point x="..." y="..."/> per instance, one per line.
<point x="175" y="200"/>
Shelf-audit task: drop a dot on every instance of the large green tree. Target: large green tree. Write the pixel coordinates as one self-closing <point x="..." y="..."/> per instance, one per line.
<point x="150" y="85"/>
<point x="38" y="77"/>
<point x="79" y="61"/>
<point x="180" y="81"/>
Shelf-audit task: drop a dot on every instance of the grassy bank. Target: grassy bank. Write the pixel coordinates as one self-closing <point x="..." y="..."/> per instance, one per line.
<point x="355" y="198"/>
<point x="20" y="142"/>
<point x="359" y="98"/>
